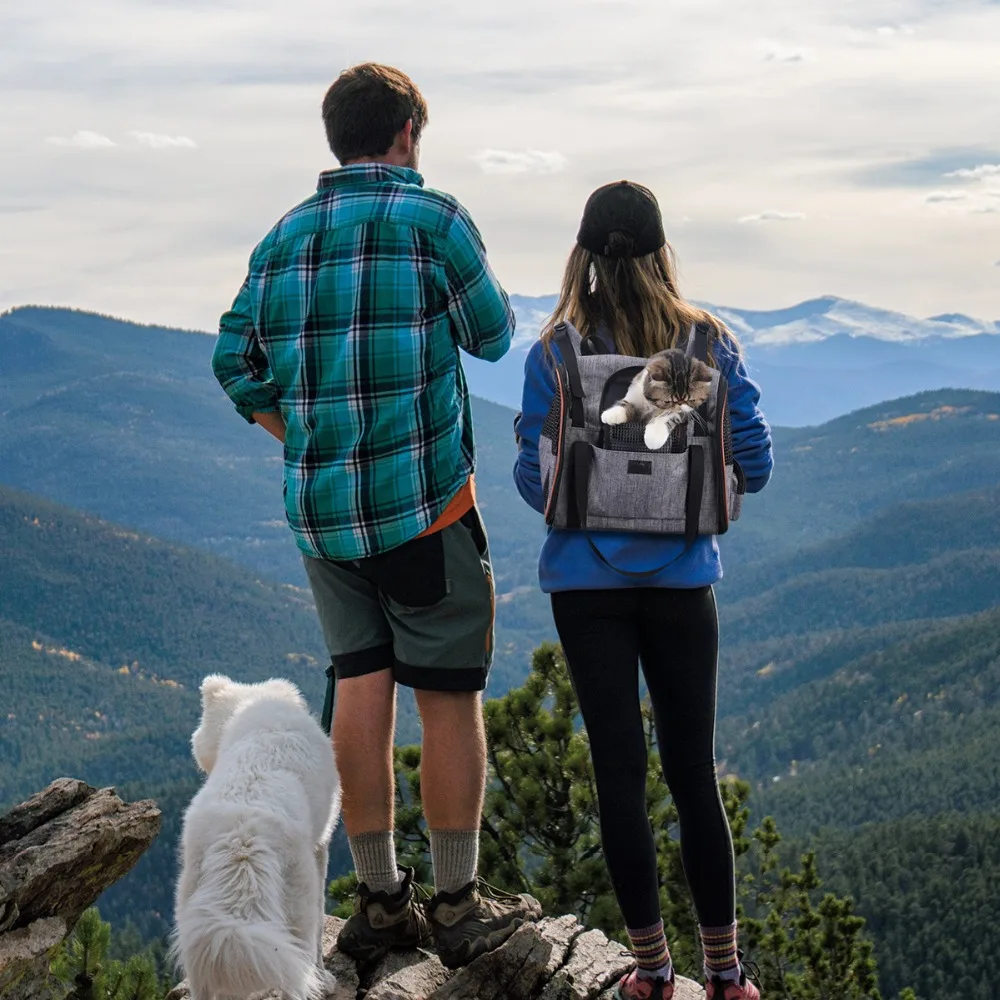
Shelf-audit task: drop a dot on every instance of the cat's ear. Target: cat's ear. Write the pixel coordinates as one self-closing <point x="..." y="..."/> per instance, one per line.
<point x="657" y="370"/>
<point x="702" y="373"/>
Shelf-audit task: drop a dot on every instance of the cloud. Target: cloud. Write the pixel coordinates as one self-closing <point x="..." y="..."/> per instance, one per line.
<point x="977" y="173"/>
<point x="937" y="197"/>
<point x="821" y="115"/>
<point x="776" y="52"/>
<point x="154" y="140"/>
<point x="926" y="170"/>
<point x="531" y="161"/>
<point x="985" y="210"/>
<point x="82" y="139"/>
<point x="772" y="216"/>
<point x="890" y="30"/>
<point x="18" y="206"/>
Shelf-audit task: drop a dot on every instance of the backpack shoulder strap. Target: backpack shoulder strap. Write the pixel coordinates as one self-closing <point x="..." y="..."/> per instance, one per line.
<point x="697" y="345"/>
<point x="567" y="347"/>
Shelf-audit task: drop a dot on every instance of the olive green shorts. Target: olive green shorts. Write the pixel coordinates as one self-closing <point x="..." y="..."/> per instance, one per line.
<point x="425" y="610"/>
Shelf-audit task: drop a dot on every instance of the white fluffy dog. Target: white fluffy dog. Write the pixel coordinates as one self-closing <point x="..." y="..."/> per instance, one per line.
<point x="249" y="913"/>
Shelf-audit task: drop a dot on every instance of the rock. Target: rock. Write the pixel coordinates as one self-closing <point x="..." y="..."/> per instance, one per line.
<point x="407" y="974"/>
<point x="594" y="963"/>
<point x="58" y="852"/>
<point x="520" y="968"/>
<point x="685" y="989"/>
<point x="555" y="959"/>
<point x="339" y="966"/>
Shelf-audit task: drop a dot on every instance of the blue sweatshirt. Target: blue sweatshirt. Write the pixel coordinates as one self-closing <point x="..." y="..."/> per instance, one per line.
<point x="567" y="561"/>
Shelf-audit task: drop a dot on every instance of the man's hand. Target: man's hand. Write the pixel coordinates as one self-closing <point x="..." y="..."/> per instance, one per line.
<point x="273" y="423"/>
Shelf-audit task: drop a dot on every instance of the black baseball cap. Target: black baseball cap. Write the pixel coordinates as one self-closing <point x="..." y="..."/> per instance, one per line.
<point x="625" y="208"/>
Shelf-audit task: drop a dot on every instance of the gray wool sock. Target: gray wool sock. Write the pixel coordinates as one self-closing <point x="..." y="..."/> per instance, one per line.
<point x="375" y="861"/>
<point x="455" y="855"/>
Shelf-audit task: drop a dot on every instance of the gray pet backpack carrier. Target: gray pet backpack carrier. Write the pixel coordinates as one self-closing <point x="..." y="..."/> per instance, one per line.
<point x="598" y="477"/>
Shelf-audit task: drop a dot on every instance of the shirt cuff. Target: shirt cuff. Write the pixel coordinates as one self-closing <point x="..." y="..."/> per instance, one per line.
<point x="247" y="410"/>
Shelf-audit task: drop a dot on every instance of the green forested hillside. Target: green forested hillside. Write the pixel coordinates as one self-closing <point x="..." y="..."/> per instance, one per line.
<point x="126" y="422"/>
<point x="867" y="598"/>
<point x="929" y="893"/>
<point x="903" y="534"/>
<point x="120" y="597"/>
<point x="66" y="714"/>
<point x="904" y="730"/>
<point x="828" y="479"/>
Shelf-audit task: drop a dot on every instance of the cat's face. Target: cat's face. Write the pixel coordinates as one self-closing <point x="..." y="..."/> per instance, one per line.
<point x="675" y="380"/>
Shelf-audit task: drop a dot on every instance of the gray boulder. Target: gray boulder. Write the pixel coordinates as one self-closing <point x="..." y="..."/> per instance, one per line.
<point x="58" y="852"/>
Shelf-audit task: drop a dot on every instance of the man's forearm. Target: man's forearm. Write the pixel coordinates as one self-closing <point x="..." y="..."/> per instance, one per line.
<point x="273" y="423"/>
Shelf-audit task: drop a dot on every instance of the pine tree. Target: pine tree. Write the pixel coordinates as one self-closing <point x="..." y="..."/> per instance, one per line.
<point x="82" y="965"/>
<point x="80" y="962"/>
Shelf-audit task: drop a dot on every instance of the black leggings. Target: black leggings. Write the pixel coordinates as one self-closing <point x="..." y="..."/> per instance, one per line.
<point x="675" y="635"/>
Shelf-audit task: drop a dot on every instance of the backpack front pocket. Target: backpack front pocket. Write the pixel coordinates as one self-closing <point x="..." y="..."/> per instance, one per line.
<point x="652" y="486"/>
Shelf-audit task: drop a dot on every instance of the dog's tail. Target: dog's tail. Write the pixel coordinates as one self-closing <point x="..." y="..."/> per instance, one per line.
<point x="232" y="933"/>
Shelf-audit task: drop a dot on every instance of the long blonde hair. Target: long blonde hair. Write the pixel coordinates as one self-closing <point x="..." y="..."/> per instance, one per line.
<point x="636" y="298"/>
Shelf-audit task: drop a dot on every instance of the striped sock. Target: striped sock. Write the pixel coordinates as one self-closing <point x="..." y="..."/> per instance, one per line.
<point x="652" y="956"/>
<point x="719" y="944"/>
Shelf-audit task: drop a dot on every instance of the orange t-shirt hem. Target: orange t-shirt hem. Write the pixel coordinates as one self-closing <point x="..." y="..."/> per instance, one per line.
<point x="459" y="505"/>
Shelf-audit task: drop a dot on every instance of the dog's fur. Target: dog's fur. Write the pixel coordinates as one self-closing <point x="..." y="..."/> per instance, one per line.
<point x="249" y="913"/>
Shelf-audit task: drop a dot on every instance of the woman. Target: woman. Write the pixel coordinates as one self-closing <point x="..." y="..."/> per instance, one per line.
<point x="620" y="285"/>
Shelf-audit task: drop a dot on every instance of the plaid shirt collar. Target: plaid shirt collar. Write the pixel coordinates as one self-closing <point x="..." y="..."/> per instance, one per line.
<point x="368" y="173"/>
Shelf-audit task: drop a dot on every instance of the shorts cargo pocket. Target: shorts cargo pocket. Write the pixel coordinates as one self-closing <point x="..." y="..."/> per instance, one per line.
<point x="474" y="523"/>
<point x="412" y="575"/>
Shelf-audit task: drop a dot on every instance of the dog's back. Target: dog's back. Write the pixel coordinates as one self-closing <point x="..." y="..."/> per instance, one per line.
<point x="254" y="854"/>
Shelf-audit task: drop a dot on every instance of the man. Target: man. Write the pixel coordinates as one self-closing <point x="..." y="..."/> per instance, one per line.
<point x="343" y="343"/>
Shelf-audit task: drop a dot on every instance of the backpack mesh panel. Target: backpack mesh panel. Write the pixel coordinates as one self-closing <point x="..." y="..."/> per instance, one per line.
<point x="629" y="437"/>
<point x="727" y="437"/>
<point x="550" y="428"/>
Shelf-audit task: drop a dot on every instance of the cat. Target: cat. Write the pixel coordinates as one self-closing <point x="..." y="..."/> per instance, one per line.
<point x="663" y="395"/>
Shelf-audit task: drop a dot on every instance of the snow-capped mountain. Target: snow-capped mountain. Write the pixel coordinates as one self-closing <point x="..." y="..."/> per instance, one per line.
<point x="815" y="360"/>
<point x="829" y="316"/>
<point x="807" y="322"/>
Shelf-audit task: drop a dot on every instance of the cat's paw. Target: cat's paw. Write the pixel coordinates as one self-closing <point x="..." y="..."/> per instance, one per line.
<point x="656" y="436"/>
<point x="614" y="415"/>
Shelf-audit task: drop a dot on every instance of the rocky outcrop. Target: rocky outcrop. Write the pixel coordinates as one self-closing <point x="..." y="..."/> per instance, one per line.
<point x="58" y="852"/>
<point x="61" y="849"/>
<point x="555" y="959"/>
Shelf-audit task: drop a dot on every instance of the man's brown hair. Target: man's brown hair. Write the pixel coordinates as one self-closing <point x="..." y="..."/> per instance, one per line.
<point x="367" y="107"/>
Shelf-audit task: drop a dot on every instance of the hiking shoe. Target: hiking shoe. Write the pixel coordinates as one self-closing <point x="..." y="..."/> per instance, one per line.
<point x="636" y="987"/>
<point x="382" y="922"/>
<point x="475" y="920"/>
<point x="729" y="989"/>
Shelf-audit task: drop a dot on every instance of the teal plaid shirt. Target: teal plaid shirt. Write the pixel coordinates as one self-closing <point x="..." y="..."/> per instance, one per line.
<point x="349" y="324"/>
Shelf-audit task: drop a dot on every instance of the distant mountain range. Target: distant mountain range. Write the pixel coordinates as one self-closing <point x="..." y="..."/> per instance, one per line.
<point x="814" y="361"/>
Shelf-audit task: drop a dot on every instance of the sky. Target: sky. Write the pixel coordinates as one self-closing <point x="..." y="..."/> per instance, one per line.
<point x="845" y="147"/>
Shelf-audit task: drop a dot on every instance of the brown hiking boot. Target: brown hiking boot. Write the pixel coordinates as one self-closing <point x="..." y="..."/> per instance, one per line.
<point x="475" y="920"/>
<point x="382" y="923"/>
